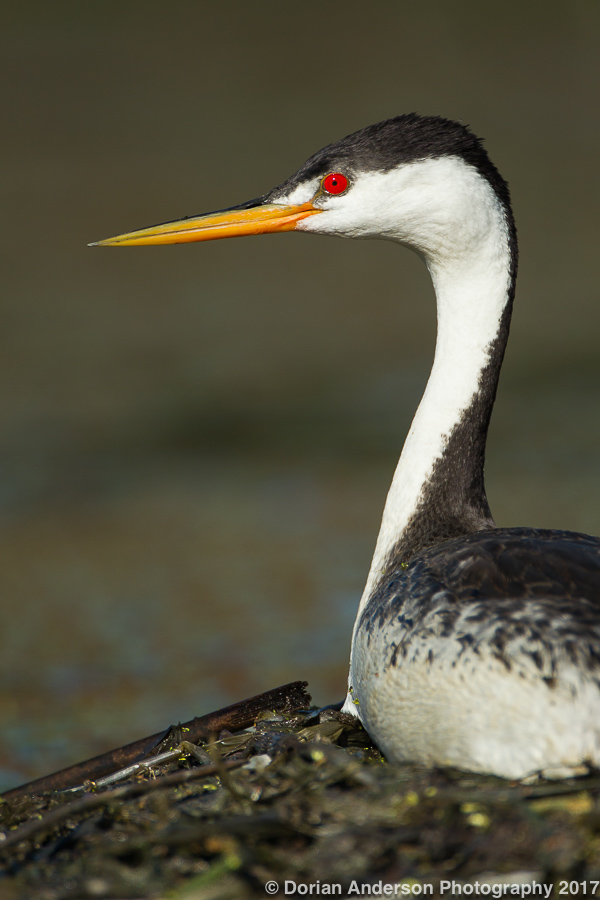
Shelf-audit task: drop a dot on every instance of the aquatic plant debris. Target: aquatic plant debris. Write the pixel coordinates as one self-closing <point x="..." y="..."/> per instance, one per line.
<point x="299" y="802"/>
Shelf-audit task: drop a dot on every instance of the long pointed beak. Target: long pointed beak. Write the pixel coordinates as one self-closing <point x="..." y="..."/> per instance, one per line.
<point x="256" y="219"/>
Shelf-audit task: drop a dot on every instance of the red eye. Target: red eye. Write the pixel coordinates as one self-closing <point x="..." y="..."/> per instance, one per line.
<point x="336" y="183"/>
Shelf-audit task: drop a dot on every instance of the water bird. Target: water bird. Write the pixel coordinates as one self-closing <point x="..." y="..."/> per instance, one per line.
<point x="475" y="646"/>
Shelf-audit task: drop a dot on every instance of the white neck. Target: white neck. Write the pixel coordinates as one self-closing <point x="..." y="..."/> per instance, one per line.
<point x="447" y="212"/>
<point x="470" y="269"/>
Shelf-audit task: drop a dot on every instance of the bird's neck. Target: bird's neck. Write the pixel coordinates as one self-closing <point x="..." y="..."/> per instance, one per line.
<point x="438" y="488"/>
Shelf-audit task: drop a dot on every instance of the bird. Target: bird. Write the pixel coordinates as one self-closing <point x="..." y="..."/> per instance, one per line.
<point x="475" y="646"/>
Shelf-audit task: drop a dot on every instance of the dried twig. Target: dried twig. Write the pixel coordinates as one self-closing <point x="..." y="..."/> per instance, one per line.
<point x="144" y="766"/>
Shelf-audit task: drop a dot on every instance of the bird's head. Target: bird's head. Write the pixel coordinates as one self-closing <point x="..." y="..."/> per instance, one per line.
<point x="423" y="181"/>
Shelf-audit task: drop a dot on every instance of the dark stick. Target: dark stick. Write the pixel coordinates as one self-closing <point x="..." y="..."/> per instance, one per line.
<point x="233" y="718"/>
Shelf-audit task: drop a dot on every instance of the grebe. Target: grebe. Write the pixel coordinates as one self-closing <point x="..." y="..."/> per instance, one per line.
<point x="474" y="646"/>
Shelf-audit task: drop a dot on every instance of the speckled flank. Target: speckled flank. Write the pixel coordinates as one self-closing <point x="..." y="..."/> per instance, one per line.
<point x="523" y="584"/>
<point x="484" y="653"/>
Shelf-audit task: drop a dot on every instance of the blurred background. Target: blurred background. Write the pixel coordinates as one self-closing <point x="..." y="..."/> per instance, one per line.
<point x="196" y="441"/>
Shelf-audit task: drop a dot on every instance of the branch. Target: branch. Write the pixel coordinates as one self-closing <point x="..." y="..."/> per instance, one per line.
<point x="236" y="717"/>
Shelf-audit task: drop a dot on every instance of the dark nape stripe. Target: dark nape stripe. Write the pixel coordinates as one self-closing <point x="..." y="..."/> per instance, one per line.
<point x="454" y="502"/>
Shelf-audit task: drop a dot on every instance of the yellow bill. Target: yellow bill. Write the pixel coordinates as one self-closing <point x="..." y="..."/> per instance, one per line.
<point x="261" y="219"/>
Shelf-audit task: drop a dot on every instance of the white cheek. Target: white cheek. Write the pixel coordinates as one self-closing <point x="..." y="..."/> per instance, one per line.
<point x="441" y="208"/>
